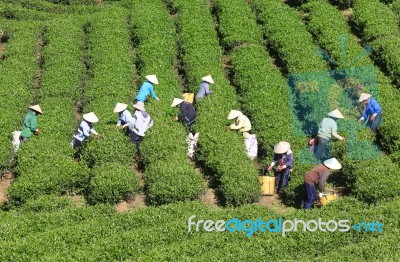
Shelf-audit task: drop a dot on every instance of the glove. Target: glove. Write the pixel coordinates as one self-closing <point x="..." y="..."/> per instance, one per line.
<point x="158" y="99"/>
<point x="270" y="168"/>
<point x="320" y="195"/>
<point x="37" y="132"/>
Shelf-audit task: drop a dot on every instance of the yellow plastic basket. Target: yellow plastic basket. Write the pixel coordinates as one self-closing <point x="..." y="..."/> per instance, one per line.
<point x="188" y="97"/>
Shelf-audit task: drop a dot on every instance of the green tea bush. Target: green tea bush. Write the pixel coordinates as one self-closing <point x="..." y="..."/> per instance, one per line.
<point x="288" y="37"/>
<point x="111" y="183"/>
<point x="56" y="172"/>
<point x="219" y="149"/>
<point x="169" y="176"/>
<point x="375" y="19"/>
<point x="59" y="174"/>
<point x="328" y="26"/>
<point x="159" y="232"/>
<point x="15" y="87"/>
<point x="237" y="23"/>
<point x="112" y="70"/>
<point x="375" y="180"/>
<point x="46" y="203"/>
<point x="19" y="13"/>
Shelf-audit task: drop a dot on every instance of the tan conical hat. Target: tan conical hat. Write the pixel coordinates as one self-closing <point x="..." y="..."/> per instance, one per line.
<point x="176" y="102"/>
<point x="336" y="114"/>
<point x="36" y="108"/>
<point x="234" y="114"/>
<point x="120" y="107"/>
<point x="281" y="147"/>
<point x="90" y="117"/>
<point x="139" y="105"/>
<point x="364" y="96"/>
<point x="208" y="79"/>
<point x="333" y="163"/>
<point x="152" y="78"/>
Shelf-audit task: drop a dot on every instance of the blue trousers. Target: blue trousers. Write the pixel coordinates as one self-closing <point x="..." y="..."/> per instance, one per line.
<point x="375" y="124"/>
<point x="311" y="196"/>
<point x="282" y="176"/>
<point x="320" y="148"/>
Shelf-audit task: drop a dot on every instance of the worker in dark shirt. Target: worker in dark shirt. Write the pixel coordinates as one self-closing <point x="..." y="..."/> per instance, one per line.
<point x="318" y="176"/>
<point x="187" y="113"/>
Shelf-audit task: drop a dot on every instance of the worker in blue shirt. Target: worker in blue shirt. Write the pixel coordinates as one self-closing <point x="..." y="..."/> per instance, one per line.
<point x="85" y="128"/>
<point x="147" y="89"/>
<point x="372" y="110"/>
<point x="124" y="116"/>
<point x="204" y="88"/>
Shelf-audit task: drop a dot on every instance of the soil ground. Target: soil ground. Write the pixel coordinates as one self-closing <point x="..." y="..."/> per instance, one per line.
<point x="5" y="182"/>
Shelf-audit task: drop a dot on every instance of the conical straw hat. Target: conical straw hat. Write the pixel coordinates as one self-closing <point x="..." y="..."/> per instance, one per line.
<point x="336" y="114"/>
<point x="234" y="114"/>
<point x="176" y="102"/>
<point x="139" y="105"/>
<point x="333" y="163"/>
<point x="36" y="108"/>
<point x="90" y="117"/>
<point x="363" y="97"/>
<point x="152" y="78"/>
<point x="281" y="147"/>
<point x="208" y="79"/>
<point x="120" y="107"/>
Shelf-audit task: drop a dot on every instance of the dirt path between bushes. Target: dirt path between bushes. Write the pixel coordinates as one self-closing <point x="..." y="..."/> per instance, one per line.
<point x="5" y="182"/>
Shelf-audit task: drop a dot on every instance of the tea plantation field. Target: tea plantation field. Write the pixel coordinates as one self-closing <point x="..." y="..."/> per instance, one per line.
<point x="284" y="64"/>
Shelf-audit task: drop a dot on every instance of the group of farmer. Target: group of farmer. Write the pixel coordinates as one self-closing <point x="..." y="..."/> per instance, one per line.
<point x="137" y="124"/>
<point x="372" y="116"/>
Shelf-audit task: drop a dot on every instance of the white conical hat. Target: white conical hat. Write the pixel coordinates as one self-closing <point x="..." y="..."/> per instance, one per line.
<point x="120" y="107"/>
<point x="152" y="78"/>
<point x="281" y="147"/>
<point x="208" y="79"/>
<point x="176" y="102"/>
<point x="336" y="114"/>
<point x="233" y="114"/>
<point x="90" y="117"/>
<point x="333" y="163"/>
<point x="139" y="105"/>
<point x="36" y="108"/>
<point x="364" y="96"/>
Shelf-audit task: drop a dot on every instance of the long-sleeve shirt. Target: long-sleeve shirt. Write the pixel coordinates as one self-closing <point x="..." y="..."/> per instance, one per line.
<point x="141" y="122"/>
<point x="84" y="130"/>
<point x="204" y="90"/>
<point x="372" y="108"/>
<point x="242" y="123"/>
<point x="284" y="159"/>
<point x="145" y="90"/>
<point x="187" y="112"/>
<point x="30" y="124"/>
<point x="318" y="175"/>
<point x="124" y="118"/>
<point x="327" y="127"/>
